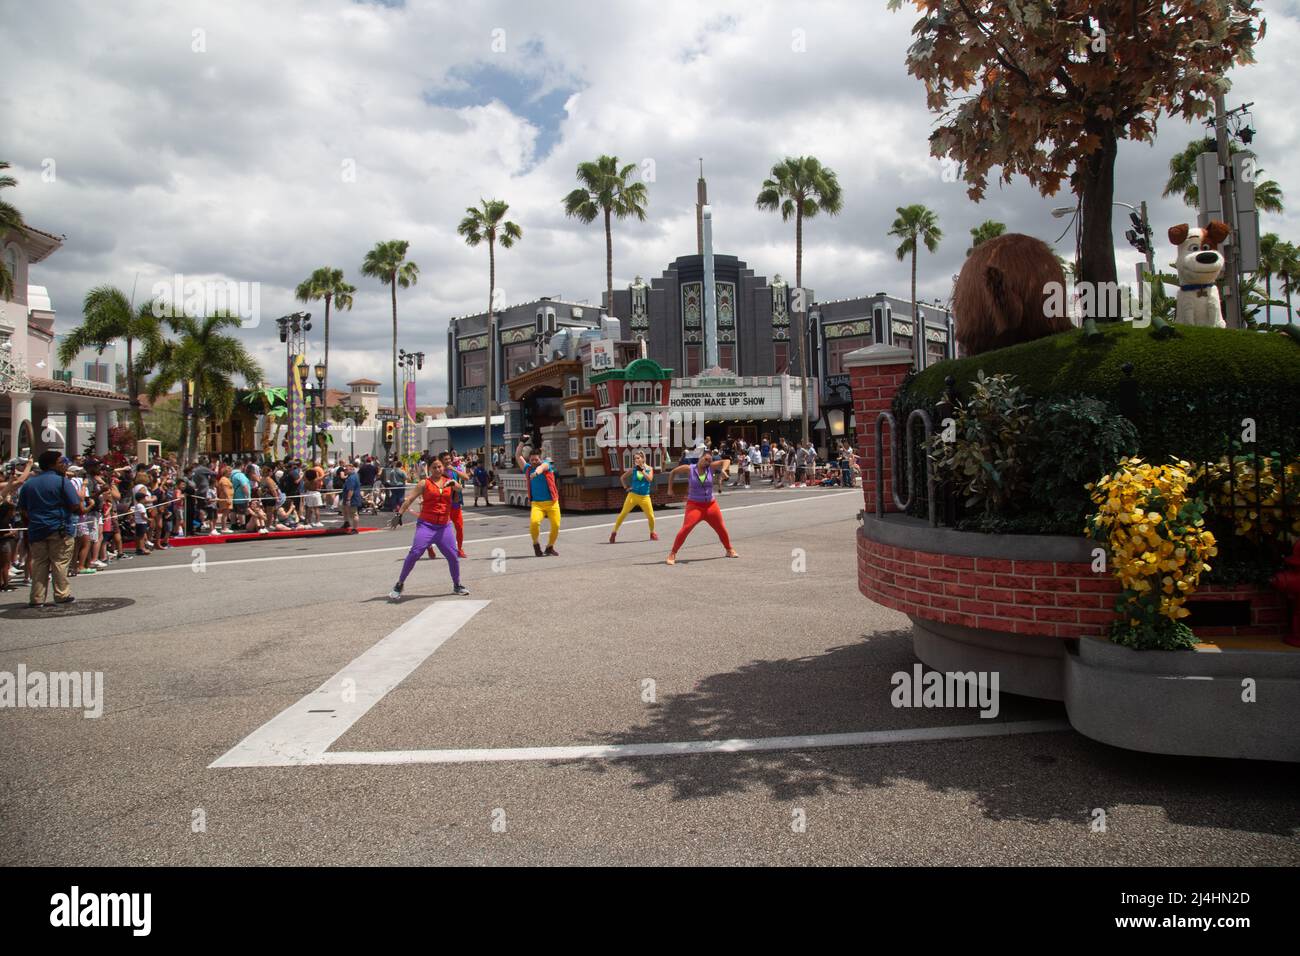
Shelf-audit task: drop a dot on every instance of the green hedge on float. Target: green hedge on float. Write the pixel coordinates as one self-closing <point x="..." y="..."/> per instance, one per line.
<point x="1188" y="393"/>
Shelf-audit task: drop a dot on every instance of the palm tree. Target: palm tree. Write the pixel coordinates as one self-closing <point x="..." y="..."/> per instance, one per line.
<point x="605" y="190"/>
<point x="10" y="218"/>
<point x="487" y="222"/>
<point x="801" y="187"/>
<point x="985" y="231"/>
<point x="107" y="316"/>
<point x="1269" y="247"/>
<point x="1288" y="270"/>
<point x="387" y="263"/>
<point x="326" y="283"/>
<point x="915" y="225"/>
<point x="205" y="359"/>
<point x="1182" y="177"/>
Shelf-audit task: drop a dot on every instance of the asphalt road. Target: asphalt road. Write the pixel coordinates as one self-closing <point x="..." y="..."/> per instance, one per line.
<point x="604" y="645"/>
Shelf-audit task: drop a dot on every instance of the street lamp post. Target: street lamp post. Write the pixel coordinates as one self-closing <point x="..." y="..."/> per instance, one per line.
<point x="409" y="363"/>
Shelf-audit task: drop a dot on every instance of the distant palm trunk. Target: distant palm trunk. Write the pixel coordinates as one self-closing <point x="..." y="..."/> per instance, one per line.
<point x="491" y="354"/>
<point x="193" y="437"/>
<point x="609" y="266"/>
<point x="325" y="383"/>
<point x="184" y="441"/>
<point x="802" y="314"/>
<point x="395" y="405"/>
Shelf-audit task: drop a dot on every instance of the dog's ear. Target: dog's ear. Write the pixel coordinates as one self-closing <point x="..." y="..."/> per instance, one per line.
<point x="1216" y="232"/>
<point x="1178" y="234"/>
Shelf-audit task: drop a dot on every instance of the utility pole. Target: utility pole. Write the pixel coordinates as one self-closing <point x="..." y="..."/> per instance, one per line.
<point x="1227" y="200"/>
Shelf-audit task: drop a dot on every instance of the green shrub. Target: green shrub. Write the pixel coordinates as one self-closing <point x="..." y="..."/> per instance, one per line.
<point x="984" y="453"/>
<point x="1077" y="440"/>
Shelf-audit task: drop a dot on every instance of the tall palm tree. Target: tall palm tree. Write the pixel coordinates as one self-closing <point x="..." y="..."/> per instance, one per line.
<point x="605" y="190"/>
<point x="487" y="223"/>
<point x="387" y="263"/>
<point x="326" y="283"/>
<point x="107" y="316"/>
<point x="10" y="218"/>
<point x="1269" y="247"/>
<point x="801" y="187"/>
<point x="916" y="225"/>
<point x="206" y="359"/>
<point x="1288" y="270"/>
<point x="1182" y="177"/>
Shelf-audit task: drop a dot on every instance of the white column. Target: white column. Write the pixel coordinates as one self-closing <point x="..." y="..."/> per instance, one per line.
<point x="101" y="431"/>
<point x="20" y="410"/>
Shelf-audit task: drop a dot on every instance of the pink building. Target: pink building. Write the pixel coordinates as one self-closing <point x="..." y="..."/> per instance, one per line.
<point x="38" y="410"/>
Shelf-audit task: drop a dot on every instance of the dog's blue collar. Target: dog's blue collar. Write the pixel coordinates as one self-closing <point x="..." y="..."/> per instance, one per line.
<point x="1193" y="288"/>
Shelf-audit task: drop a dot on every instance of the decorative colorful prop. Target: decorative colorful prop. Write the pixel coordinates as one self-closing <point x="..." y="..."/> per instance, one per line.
<point x="1001" y="297"/>
<point x="1199" y="265"/>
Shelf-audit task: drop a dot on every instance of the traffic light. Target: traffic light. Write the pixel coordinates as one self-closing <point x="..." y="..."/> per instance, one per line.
<point x="1140" y="234"/>
<point x="389" y="428"/>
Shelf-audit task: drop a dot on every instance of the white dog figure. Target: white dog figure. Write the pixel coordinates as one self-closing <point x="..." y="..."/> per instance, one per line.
<point x="1199" y="264"/>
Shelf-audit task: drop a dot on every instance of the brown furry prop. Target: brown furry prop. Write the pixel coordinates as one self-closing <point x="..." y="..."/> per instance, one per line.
<point x="1002" y="291"/>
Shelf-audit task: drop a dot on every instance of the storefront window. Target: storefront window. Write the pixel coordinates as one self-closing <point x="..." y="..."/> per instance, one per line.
<point x="781" y="358"/>
<point x="473" y="368"/>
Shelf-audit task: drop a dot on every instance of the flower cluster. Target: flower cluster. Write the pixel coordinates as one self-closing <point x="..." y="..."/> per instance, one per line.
<point x="1157" y="545"/>
<point x="1255" y="493"/>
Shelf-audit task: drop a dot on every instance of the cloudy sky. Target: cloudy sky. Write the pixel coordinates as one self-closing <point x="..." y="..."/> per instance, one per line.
<point x="214" y="139"/>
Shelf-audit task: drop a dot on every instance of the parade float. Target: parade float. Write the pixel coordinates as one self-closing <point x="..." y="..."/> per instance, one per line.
<point x="1104" y="519"/>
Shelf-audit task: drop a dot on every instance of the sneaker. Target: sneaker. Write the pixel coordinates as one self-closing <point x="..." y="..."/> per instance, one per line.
<point x="551" y="552"/>
<point x="98" y="564"/>
<point x="318" y="524"/>
<point x="537" y="549"/>
<point x="460" y="589"/>
<point x="460" y="553"/>
<point x="67" y="600"/>
<point x="654" y="536"/>
<point x="395" y="594"/>
<point x="259" y="531"/>
<point x="671" y="559"/>
<point x="87" y="571"/>
<point x="612" y="535"/>
<point x="731" y="553"/>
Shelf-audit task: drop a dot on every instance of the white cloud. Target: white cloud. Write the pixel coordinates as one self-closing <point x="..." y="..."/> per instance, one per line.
<point x="230" y="162"/>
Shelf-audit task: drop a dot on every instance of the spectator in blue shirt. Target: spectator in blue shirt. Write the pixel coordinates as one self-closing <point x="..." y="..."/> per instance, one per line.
<point x="351" y="500"/>
<point x="50" y="505"/>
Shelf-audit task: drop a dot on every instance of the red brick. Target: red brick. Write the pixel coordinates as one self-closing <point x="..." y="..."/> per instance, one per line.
<point x="998" y="595"/>
<point x="1079" y="600"/>
<point x="945" y="603"/>
<point x="944" y="574"/>
<point x="1100" y="584"/>
<point x="977" y="579"/>
<point x="1056" y="584"/>
<point x="978" y="607"/>
<point x="1035" y="567"/>
<point x="1013" y="612"/>
<point x="1036" y="598"/>
<point x="993" y="564"/>
<point x="1072" y="569"/>
<point x="1015" y="582"/>
<point x="929" y="559"/>
<point x="965" y="620"/>
<point x="956" y="561"/>
<point x="961" y="591"/>
<point x="1056" y="614"/>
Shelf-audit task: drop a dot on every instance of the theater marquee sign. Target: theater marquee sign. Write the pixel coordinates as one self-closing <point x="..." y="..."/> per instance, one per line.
<point x="773" y="397"/>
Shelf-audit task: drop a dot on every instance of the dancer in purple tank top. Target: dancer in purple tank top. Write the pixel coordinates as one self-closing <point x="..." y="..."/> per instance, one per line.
<point x="700" y="504"/>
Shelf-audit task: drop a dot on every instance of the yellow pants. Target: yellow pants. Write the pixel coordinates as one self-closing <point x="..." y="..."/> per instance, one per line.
<point x="540" y="510"/>
<point x="633" y="500"/>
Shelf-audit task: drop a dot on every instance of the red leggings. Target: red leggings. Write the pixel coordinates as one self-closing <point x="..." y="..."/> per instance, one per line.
<point x="458" y="519"/>
<point x="696" y="512"/>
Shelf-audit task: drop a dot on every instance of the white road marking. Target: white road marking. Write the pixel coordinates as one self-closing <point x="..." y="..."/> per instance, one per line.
<point x="302" y="733"/>
<point x="659" y="518"/>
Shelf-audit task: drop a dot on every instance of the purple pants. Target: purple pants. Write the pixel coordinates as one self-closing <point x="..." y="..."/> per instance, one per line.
<point x="441" y="535"/>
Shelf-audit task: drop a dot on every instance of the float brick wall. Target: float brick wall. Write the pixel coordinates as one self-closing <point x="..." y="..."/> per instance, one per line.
<point x="874" y="387"/>
<point x="1045" y="598"/>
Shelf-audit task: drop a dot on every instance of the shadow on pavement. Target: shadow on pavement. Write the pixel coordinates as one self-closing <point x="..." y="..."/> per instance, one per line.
<point x="1031" y="777"/>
